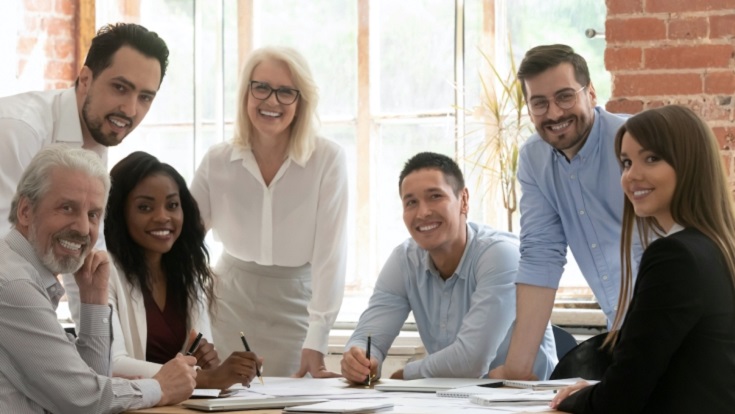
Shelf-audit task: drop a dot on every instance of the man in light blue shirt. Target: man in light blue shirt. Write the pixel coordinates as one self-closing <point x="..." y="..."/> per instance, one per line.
<point x="457" y="278"/>
<point x="571" y="196"/>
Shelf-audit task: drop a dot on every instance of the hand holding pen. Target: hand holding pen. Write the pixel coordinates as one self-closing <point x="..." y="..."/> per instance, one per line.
<point x="367" y="355"/>
<point x="203" y="351"/>
<point x="247" y="348"/>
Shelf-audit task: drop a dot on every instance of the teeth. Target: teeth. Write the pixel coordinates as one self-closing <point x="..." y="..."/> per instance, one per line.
<point x="70" y="245"/>
<point x="117" y="123"/>
<point x="427" y="228"/>
<point x="161" y="232"/>
<point x="557" y="127"/>
<point x="268" y="113"/>
<point x="641" y="192"/>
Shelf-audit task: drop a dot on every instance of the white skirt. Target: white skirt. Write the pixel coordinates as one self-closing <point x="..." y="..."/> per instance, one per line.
<point x="269" y="305"/>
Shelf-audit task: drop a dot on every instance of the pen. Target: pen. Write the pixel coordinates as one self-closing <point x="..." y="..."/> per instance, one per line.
<point x="247" y="348"/>
<point x="194" y="344"/>
<point x="367" y="355"/>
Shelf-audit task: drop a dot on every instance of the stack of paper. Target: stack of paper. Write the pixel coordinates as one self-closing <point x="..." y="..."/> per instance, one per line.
<point x="354" y="407"/>
<point x="510" y="399"/>
<point x="543" y="385"/>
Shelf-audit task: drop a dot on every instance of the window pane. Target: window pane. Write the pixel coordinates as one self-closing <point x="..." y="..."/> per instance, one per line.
<point x="415" y="55"/>
<point x="325" y="32"/>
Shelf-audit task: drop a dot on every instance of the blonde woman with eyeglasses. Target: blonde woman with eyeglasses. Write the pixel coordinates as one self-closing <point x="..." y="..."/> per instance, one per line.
<point x="276" y="197"/>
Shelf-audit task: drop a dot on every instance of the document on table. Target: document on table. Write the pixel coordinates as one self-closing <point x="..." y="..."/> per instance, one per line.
<point x="341" y="407"/>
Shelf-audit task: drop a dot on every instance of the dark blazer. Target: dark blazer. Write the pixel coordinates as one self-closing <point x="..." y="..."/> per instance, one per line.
<point x="676" y="350"/>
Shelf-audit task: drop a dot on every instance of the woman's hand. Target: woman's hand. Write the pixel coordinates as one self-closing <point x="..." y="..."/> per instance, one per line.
<point x="239" y="367"/>
<point x="566" y="392"/>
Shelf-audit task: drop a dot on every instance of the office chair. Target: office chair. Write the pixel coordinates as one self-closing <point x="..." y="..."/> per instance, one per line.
<point x="586" y="360"/>
<point x="564" y="341"/>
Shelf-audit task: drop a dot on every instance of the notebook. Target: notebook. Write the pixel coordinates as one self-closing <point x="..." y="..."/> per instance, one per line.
<point x="341" y="406"/>
<point x="543" y="385"/>
<point x="434" y="384"/>
<point x="467" y="392"/>
<point x="525" y="398"/>
<point x="234" y="403"/>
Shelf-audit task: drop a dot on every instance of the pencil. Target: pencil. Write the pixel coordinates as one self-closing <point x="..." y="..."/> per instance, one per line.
<point x="367" y="355"/>
<point x="194" y="344"/>
<point x="247" y="348"/>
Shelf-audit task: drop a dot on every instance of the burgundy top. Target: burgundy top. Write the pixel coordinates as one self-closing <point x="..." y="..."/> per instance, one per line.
<point x="166" y="328"/>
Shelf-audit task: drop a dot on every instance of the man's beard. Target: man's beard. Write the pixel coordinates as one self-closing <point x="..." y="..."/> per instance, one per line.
<point x="66" y="263"/>
<point x="95" y="127"/>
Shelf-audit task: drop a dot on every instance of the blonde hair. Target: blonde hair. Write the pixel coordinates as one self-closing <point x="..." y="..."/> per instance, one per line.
<point x="304" y="125"/>
<point x="702" y="198"/>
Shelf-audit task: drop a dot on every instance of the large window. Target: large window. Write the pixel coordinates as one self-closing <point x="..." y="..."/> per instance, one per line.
<point x="387" y="74"/>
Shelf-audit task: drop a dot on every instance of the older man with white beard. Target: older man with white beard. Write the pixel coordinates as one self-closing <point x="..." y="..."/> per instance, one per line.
<point x="56" y="214"/>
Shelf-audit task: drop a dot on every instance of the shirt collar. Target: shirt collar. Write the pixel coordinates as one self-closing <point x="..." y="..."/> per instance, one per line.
<point x="246" y="155"/>
<point x="431" y="268"/>
<point x="69" y="127"/>
<point x="674" y="229"/>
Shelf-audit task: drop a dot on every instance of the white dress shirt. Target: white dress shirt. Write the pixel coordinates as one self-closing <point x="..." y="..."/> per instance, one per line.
<point x="300" y="218"/>
<point x="28" y="122"/>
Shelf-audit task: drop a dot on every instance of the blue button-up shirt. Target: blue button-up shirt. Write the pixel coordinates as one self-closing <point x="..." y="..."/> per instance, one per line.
<point x="464" y="322"/>
<point x="578" y="203"/>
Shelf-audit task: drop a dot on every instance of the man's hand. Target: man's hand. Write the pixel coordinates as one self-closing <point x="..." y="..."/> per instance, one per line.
<point x="356" y="367"/>
<point x="501" y="373"/>
<point x="312" y="362"/>
<point x="93" y="277"/>
<point x="177" y="378"/>
<point x="237" y="368"/>
<point x="206" y="355"/>
<point x="398" y="375"/>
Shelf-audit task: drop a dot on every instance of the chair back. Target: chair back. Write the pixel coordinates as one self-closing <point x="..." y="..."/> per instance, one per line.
<point x="586" y="360"/>
<point x="565" y="342"/>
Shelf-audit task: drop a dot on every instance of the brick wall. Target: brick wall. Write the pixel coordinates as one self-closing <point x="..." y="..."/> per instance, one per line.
<point x="675" y="52"/>
<point x="46" y="40"/>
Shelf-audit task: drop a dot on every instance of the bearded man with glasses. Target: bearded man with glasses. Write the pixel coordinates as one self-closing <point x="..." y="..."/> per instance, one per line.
<point x="571" y="196"/>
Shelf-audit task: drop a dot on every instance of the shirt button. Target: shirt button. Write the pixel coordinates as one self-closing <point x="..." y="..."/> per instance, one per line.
<point x="581" y="212"/>
<point x="593" y="245"/>
<point x="53" y="288"/>
<point x="615" y="308"/>
<point x="105" y="320"/>
<point x="604" y="277"/>
<point x="573" y="176"/>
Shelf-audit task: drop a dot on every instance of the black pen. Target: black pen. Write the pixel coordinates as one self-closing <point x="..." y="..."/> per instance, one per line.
<point x="247" y="348"/>
<point x="194" y="344"/>
<point x="367" y="355"/>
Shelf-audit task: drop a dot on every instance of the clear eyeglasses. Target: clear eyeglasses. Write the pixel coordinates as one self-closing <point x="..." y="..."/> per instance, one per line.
<point x="565" y="100"/>
<point x="263" y="91"/>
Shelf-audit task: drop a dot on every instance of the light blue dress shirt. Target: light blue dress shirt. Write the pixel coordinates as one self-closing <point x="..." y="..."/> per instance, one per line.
<point x="578" y="203"/>
<point x="464" y="322"/>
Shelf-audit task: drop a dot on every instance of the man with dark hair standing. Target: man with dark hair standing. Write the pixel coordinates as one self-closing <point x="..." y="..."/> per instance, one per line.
<point x="122" y="73"/>
<point x="456" y="276"/>
<point x="571" y="196"/>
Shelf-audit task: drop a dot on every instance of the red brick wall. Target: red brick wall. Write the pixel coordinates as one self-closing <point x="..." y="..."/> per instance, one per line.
<point x="46" y="39"/>
<point x="674" y="51"/>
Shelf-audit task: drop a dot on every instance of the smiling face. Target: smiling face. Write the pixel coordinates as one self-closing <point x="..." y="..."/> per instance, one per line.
<point x="648" y="181"/>
<point x="271" y="119"/>
<point x="434" y="216"/>
<point x="153" y="214"/>
<point x="564" y="129"/>
<point x="116" y="101"/>
<point x="63" y="226"/>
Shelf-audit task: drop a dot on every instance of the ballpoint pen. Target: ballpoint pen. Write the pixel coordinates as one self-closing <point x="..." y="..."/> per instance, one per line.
<point x="247" y="348"/>
<point x="367" y="355"/>
<point x="194" y="344"/>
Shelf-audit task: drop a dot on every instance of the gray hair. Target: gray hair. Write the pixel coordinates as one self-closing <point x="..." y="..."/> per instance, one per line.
<point x="34" y="183"/>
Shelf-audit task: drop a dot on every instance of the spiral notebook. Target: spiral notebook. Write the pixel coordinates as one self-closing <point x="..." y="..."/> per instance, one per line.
<point x="467" y="392"/>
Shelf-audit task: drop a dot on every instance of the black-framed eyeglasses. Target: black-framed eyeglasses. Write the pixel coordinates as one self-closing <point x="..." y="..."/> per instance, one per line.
<point x="263" y="91"/>
<point x="565" y="100"/>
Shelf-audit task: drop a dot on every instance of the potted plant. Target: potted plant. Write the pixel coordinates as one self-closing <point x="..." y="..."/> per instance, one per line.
<point x="506" y="126"/>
